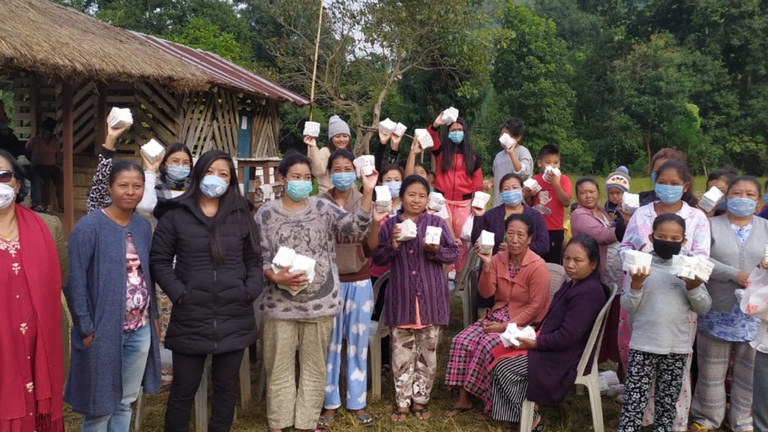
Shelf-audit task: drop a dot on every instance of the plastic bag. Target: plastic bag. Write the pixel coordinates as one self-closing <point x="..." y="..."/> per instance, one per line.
<point x="754" y="302"/>
<point x="466" y="229"/>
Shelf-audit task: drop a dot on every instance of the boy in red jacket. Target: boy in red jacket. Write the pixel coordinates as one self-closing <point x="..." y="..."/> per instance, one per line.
<point x="552" y="199"/>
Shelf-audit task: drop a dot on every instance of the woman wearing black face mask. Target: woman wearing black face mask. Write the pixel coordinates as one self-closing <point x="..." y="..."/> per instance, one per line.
<point x="738" y="246"/>
<point x="660" y="305"/>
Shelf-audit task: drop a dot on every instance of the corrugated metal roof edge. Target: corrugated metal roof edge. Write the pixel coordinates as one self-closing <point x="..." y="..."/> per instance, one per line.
<point x="283" y="93"/>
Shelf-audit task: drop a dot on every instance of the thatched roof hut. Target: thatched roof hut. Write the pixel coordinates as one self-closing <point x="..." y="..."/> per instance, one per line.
<point x="53" y="40"/>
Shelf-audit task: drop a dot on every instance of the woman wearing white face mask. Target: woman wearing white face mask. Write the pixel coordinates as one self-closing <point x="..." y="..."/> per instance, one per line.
<point x="738" y="246"/>
<point x="295" y="306"/>
<point x="30" y="285"/>
<point x="216" y="278"/>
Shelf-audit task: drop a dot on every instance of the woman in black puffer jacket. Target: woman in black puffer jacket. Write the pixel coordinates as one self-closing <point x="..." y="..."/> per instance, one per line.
<point x="218" y="275"/>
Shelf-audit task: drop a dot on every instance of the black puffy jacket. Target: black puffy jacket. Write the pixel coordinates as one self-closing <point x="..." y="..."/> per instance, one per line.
<point x="212" y="304"/>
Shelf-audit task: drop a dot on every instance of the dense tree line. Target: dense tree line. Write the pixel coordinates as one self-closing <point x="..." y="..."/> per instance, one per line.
<point x="609" y="81"/>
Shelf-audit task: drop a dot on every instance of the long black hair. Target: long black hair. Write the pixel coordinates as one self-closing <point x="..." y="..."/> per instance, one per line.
<point x="448" y="149"/>
<point x="232" y="200"/>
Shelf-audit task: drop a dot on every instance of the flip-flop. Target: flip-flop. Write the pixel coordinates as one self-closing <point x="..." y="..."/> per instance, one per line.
<point x="366" y="419"/>
<point x="538" y="426"/>
<point x="456" y="411"/>
<point x="325" y="422"/>
<point x="399" y="416"/>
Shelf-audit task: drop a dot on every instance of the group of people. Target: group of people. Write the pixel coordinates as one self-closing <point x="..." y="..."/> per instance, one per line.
<point x="40" y="158"/>
<point x="172" y="258"/>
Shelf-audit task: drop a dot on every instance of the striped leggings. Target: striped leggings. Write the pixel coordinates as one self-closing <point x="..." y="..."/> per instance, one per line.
<point x="510" y="385"/>
<point x="708" y="405"/>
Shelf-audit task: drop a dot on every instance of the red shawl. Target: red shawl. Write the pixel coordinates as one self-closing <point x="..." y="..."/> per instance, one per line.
<point x="40" y="262"/>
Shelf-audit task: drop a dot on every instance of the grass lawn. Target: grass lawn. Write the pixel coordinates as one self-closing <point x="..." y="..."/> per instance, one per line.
<point x="573" y="414"/>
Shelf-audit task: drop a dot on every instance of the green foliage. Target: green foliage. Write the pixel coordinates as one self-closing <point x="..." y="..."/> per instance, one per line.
<point x="205" y="36"/>
<point x="531" y="77"/>
<point x="609" y="81"/>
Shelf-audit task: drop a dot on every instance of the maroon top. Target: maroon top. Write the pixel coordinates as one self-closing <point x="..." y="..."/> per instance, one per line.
<point x="416" y="273"/>
<point x="564" y="334"/>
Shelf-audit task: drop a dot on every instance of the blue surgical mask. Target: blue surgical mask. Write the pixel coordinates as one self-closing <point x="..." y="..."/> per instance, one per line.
<point x="722" y="206"/>
<point x="765" y="199"/>
<point x="431" y="188"/>
<point x="343" y="180"/>
<point x="213" y="186"/>
<point x="512" y="197"/>
<point x="394" y="188"/>
<point x="297" y="190"/>
<point x="741" y="207"/>
<point x="177" y="172"/>
<point x="653" y="178"/>
<point x="456" y="136"/>
<point x="669" y="194"/>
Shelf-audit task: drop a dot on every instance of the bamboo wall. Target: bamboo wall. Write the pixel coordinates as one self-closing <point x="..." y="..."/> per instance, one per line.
<point x="203" y="121"/>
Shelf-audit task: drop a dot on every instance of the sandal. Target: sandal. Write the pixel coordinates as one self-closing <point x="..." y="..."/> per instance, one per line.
<point x="325" y="422"/>
<point x="398" y="416"/>
<point x="421" y="413"/>
<point x="695" y="427"/>
<point x="537" y="425"/>
<point x="453" y="412"/>
<point x="365" y="419"/>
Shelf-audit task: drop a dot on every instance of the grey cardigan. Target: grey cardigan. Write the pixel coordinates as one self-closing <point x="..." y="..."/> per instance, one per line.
<point x="730" y="257"/>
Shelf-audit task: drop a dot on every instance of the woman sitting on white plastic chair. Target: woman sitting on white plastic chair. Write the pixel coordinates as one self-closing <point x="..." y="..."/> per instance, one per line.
<point x="547" y="370"/>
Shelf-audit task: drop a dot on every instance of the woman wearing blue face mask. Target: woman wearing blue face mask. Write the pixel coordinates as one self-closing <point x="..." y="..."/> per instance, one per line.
<point x="174" y="171"/>
<point x="738" y="246"/>
<point x="494" y="219"/>
<point x="209" y="233"/>
<point x="674" y="184"/>
<point x="458" y="174"/>
<point x="661" y="156"/>
<point x="295" y="307"/>
<point x="356" y="289"/>
<point x="173" y="180"/>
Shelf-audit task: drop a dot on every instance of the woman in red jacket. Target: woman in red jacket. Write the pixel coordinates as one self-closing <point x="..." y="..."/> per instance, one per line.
<point x="457" y="172"/>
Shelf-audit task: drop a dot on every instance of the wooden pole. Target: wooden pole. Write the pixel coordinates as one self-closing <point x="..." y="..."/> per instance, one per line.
<point x="33" y="104"/>
<point x="314" y="68"/>
<point x="67" y="135"/>
<point x="101" y="118"/>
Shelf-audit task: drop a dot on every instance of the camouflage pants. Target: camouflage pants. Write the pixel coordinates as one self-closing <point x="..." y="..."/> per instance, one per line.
<point x="414" y="363"/>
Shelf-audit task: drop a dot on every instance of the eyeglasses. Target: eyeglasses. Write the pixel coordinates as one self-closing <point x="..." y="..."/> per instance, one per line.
<point x="6" y="176"/>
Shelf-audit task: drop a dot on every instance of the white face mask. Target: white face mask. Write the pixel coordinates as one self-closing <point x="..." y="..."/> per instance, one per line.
<point x="7" y="195"/>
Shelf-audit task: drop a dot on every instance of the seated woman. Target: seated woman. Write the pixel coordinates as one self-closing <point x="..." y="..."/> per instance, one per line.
<point x="519" y="279"/>
<point x="548" y="370"/>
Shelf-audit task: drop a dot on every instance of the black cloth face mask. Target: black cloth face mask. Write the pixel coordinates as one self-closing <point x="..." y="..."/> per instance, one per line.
<point x="666" y="249"/>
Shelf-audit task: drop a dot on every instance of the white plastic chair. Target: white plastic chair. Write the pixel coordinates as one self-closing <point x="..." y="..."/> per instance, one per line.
<point x="462" y="287"/>
<point x="590" y="380"/>
<point x="557" y="278"/>
<point x="377" y="332"/>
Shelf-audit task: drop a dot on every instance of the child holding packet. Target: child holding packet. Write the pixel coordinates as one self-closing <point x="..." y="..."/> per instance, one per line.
<point x="659" y="304"/>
